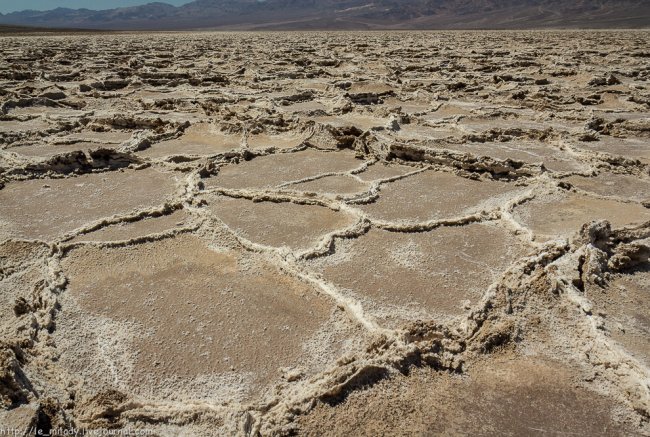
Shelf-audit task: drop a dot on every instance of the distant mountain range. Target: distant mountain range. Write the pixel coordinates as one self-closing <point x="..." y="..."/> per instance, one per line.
<point x="348" y="14"/>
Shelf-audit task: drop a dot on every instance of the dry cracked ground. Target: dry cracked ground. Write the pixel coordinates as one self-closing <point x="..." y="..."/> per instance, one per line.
<point x="326" y="233"/>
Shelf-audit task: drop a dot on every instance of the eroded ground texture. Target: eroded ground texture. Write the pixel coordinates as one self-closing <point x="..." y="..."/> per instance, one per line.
<point x="326" y="234"/>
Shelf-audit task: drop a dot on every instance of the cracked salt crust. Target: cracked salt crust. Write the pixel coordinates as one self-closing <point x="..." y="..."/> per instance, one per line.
<point x="199" y="238"/>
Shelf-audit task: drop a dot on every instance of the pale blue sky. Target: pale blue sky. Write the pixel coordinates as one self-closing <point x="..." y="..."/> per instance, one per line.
<point x="43" y="5"/>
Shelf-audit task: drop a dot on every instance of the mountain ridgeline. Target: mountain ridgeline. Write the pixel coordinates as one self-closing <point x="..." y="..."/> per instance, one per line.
<point x="348" y="15"/>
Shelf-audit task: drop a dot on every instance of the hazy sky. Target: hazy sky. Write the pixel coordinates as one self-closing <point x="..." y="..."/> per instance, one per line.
<point x="43" y="5"/>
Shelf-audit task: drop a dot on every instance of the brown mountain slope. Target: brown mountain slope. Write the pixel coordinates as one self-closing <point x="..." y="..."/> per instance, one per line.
<point x="350" y="14"/>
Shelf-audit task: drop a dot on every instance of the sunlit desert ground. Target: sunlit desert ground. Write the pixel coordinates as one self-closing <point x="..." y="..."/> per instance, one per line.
<point x="426" y="233"/>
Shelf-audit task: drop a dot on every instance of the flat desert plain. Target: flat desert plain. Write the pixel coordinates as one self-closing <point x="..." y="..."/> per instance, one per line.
<point x="380" y="233"/>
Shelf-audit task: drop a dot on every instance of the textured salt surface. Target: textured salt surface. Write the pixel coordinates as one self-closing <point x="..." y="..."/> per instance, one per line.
<point x="307" y="234"/>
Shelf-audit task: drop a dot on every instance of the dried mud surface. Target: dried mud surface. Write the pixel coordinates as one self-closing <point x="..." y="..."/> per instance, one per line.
<point x="415" y="233"/>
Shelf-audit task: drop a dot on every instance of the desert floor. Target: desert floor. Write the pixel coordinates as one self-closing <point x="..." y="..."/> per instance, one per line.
<point x="406" y="233"/>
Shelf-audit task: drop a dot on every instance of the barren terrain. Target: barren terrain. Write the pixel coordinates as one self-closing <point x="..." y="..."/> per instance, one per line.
<point x="408" y="233"/>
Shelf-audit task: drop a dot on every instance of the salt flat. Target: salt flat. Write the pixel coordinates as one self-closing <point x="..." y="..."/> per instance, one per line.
<point x="326" y="233"/>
